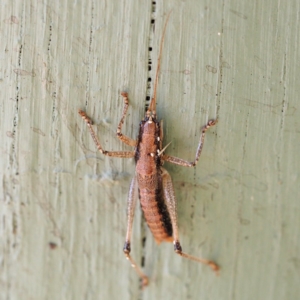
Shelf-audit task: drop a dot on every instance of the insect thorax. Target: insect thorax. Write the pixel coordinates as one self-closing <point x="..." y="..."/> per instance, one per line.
<point x="149" y="142"/>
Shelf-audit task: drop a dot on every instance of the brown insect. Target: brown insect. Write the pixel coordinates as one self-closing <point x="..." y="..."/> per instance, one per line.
<point x="152" y="182"/>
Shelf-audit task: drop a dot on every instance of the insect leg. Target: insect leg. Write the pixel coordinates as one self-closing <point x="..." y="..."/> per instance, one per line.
<point x="122" y="154"/>
<point x="132" y="197"/>
<point x="125" y="139"/>
<point x="185" y="163"/>
<point x="169" y="197"/>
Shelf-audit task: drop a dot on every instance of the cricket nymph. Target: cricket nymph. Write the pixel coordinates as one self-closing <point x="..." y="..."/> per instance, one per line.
<point x="151" y="183"/>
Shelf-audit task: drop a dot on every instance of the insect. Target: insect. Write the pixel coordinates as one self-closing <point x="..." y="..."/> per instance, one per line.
<point x="151" y="182"/>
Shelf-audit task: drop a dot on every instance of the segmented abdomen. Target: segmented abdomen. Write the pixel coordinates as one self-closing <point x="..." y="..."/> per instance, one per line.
<point x="156" y="214"/>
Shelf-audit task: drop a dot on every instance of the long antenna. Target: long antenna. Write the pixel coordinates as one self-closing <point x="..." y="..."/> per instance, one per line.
<point x="152" y="106"/>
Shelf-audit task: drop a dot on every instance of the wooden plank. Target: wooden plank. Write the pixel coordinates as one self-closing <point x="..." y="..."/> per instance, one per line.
<point x="63" y="205"/>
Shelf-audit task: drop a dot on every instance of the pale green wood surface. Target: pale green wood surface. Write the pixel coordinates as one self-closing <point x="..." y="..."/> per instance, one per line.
<point x="63" y="205"/>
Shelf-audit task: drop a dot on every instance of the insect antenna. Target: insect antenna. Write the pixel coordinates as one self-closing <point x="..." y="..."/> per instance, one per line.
<point x="152" y="106"/>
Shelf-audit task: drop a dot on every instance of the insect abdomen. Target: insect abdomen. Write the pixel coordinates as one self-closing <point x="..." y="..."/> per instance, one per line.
<point x="156" y="214"/>
<point x="148" y="172"/>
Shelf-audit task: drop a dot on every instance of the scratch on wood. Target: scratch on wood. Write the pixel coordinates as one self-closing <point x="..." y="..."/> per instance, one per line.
<point x="39" y="131"/>
<point x="211" y="69"/>
<point x="24" y="72"/>
<point x="11" y="20"/>
<point x="239" y="14"/>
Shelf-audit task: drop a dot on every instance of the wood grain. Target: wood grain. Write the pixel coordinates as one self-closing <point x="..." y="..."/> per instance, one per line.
<point x="63" y="205"/>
